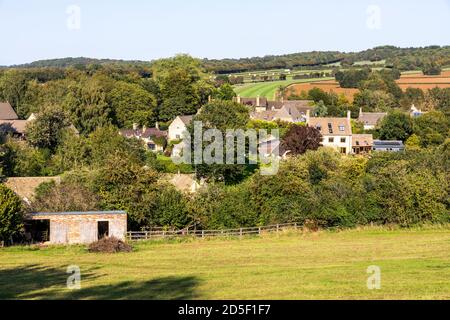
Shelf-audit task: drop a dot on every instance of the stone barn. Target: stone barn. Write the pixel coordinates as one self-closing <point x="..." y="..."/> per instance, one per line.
<point x="75" y="227"/>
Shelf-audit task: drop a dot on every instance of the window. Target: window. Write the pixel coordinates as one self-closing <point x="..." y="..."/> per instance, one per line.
<point x="330" y="140"/>
<point x="178" y="136"/>
<point x="343" y="140"/>
<point x="152" y="146"/>
<point x="330" y="128"/>
<point x="343" y="150"/>
<point x="341" y="128"/>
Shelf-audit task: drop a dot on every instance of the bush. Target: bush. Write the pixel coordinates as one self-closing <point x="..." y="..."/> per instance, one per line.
<point x="11" y="213"/>
<point x="109" y="245"/>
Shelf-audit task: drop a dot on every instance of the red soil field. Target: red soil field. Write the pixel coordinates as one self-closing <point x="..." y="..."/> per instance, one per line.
<point x="415" y="80"/>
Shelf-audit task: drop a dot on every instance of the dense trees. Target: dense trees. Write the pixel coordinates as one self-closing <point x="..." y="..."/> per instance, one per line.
<point x="432" y="128"/>
<point x="374" y="101"/>
<point x="105" y="94"/>
<point x="325" y="189"/>
<point x="181" y="85"/>
<point x="64" y="197"/>
<point x="132" y="104"/>
<point x="46" y="130"/>
<point x="13" y="88"/>
<point x="431" y="69"/>
<point x="223" y="116"/>
<point x="396" y="126"/>
<point x="352" y="78"/>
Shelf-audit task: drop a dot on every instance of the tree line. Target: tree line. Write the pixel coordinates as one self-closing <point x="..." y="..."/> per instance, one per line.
<point x="400" y="58"/>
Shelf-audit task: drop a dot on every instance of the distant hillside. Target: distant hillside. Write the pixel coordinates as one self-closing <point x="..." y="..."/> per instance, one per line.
<point x="80" y="61"/>
<point x="401" y="58"/>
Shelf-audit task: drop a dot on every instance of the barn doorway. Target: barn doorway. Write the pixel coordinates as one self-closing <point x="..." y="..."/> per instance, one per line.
<point x="37" y="231"/>
<point x="103" y="229"/>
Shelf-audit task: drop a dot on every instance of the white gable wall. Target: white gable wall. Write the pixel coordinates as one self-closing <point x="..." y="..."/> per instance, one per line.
<point x="176" y="129"/>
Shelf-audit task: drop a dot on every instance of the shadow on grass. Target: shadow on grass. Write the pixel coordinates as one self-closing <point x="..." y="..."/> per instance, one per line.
<point x="39" y="282"/>
<point x="168" y="288"/>
<point x="34" y="281"/>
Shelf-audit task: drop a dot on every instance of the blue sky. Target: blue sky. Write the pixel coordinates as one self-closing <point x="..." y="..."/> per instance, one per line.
<point x="136" y="29"/>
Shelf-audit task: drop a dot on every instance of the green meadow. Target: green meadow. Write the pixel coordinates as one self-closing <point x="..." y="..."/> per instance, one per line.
<point x="414" y="264"/>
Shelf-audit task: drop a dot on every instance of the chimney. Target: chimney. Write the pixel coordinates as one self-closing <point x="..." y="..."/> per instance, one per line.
<point x="144" y="128"/>
<point x="157" y="125"/>
<point x="308" y="115"/>
<point x="349" y="115"/>
<point x="135" y="126"/>
<point x="238" y="99"/>
<point x="258" y="101"/>
<point x="360" y="112"/>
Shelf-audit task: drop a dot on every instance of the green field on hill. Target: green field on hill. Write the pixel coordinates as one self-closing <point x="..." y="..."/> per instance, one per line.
<point x="269" y="89"/>
<point x="414" y="263"/>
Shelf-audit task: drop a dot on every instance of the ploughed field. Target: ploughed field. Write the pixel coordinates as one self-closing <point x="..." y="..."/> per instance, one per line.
<point x="408" y="80"/>
<point x="414" y="264"/>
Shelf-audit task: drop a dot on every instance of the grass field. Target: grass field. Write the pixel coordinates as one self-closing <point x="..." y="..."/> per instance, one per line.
<point x="415" y="264"/>
<point x="268" y="89"/>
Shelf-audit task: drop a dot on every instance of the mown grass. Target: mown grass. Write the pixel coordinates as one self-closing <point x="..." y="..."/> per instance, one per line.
<point x="415" y="264"/>
<point x="268" y="89"/>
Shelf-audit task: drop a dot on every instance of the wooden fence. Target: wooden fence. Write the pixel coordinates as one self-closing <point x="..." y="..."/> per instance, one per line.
<point x="164" y="234"/>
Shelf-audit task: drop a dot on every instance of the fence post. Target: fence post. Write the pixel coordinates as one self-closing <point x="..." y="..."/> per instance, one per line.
<point x="259" y="230"/>
<point x="295" y="226"/>
<point x="240" y="233"/>
<point x="278" y="228"/>
<point x="203" y="233"/>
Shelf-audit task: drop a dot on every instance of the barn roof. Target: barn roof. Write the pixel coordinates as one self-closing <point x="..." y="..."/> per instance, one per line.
<point x="76" y="213"/>
<point x="7" y="112"/>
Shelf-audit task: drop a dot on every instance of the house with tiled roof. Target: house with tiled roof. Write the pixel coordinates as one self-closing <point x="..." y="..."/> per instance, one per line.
<point x="10" y="123"/>
<point x="289" y="111"/>
<point x="7" y="112"/>
<point x="260" y="104"/>
<point x="153" y="138"/>
<point x="362" y="143"/>
<point x="178" y="127"/>
<point x="370" y="119"/>
<point x="336" y="132"/>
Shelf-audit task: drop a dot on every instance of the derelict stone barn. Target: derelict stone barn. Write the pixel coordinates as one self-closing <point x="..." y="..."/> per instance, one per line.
<point x="76" y="227"/>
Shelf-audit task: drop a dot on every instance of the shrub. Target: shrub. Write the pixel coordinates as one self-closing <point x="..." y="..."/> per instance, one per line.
<point x="11" y="213"/>
<point x="66" y="196"/>
<point x="109" y="245"/>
